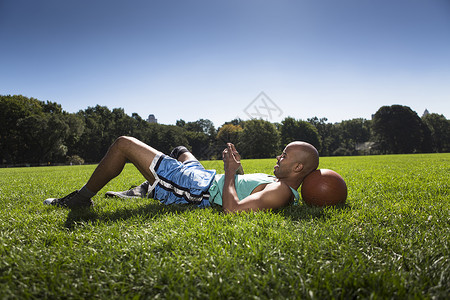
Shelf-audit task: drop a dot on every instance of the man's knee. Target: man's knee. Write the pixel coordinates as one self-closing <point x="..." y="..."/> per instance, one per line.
<point x="182" y="154"/>
<point x="124" y="141"/>
<point x="177" y="151"/>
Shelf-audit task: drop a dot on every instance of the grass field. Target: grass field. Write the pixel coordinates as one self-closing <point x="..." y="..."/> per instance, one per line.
<point x="390" y="241"/>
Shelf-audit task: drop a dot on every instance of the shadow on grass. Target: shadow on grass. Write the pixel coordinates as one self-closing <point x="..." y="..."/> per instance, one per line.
<point x="147" y="211"/>
<point x="307" y="212"/>
<point x="155" y="210"/>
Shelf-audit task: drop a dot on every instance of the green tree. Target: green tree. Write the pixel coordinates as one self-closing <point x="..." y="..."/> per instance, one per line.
<point x="236" y="122"/>
<point x="229" y="133"/>
<point x="42" y="138"/>
<point x="140" y="128"/>
<point x="352" y="133"/>
<point x="259" y="139"/>
<point x="98" y="134"/>
<point x="12" y="109"/>
<point x="202" y="125"/>
<point x="439" y="128"/>
<point x="121" y="124"/>
<point x="199" y="144"/>
<point x="168" y="137"/>
<point x="298" y="130"/>
<point x="76" y="128"/>
<point x="201" y="136"/>
<point x="329" y="134"/>
<point x="398" y="129"/>
<point x="34" y="131"/>
<point x="51" y="108"/>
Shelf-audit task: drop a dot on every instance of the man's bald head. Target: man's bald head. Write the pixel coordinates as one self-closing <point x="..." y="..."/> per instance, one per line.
<point x="306" y="154"/>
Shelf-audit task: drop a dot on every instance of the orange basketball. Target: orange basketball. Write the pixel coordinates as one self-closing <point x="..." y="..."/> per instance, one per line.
<point x="324" y="187"/>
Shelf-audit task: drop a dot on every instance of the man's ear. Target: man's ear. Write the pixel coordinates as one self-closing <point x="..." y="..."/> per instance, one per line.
<point x="299" y="167"/>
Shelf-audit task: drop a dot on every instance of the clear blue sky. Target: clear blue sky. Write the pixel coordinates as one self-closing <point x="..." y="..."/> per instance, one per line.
<point x="210" y="59"/>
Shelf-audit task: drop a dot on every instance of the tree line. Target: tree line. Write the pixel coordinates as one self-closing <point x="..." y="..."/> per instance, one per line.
<point x="38" y="132"/>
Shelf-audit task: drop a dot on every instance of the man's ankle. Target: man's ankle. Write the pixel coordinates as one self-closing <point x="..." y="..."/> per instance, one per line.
<point x="86" y="193"/>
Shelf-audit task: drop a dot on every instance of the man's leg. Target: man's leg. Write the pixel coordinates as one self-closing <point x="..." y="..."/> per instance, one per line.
<point x="123" y="149"/>
<point x="180" y="153"/>
<point x="170" y="193"/>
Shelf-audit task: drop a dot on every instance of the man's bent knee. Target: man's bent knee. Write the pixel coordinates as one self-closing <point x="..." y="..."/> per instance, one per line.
<point x="177" y="151"/>
<point x="124" y="141"/>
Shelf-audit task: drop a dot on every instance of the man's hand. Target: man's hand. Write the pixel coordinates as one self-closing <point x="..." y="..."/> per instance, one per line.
<point x="232" y="160"/>
<point x="274" y="195"/>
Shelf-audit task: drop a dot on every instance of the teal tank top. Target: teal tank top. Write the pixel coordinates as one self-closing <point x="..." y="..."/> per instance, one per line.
<point x="245" y="184"/>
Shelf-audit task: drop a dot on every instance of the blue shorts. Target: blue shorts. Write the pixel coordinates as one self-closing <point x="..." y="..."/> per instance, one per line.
<point x="181" y="183"/>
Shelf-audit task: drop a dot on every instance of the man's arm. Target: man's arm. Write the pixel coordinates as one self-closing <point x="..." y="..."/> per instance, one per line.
<point x="274" y="195"/>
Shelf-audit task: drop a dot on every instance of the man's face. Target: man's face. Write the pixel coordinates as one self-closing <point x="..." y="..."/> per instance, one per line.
<point x="282" y="167"/>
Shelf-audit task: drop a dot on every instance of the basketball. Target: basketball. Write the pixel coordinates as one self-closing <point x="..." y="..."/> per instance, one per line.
<point x="324" y="187"/>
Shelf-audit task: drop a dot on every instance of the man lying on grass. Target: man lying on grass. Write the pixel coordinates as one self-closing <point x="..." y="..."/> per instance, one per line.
<point x="181" y="179"/>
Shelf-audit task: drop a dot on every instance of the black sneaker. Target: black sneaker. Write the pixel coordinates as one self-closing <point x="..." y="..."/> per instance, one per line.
<point x="140" y="191"/>
<point x="73" y="200"/>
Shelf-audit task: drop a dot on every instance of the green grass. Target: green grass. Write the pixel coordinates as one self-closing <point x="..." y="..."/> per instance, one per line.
<point x="390" y="241"/>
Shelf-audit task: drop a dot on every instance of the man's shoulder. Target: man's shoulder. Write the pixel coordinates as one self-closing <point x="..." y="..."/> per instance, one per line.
<point x="276" y="194"/>
<point x="280" y="187"/>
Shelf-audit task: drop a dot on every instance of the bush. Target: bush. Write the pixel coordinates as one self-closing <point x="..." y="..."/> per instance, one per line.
<point x="75" y="160"/>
